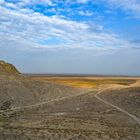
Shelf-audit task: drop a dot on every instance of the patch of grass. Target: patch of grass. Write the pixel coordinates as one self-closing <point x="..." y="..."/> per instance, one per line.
<point x="8" y="68"/>
<point x="75" y="83"/>
<point x="3" y="119"/>
<point x="85" y="82"/>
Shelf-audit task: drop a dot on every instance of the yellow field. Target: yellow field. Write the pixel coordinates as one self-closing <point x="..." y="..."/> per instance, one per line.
<point x="86" y="82"/>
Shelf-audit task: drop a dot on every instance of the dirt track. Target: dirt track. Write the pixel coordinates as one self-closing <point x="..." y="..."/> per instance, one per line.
<point x="43" y="103"/>
<point x="116" y="107"/>
<point x="81" y="116"/>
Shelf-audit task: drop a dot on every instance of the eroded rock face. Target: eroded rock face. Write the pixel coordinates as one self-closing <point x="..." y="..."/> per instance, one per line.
<point x="7" y="68"/>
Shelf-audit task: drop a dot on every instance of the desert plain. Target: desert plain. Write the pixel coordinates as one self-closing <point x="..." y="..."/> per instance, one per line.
<point x="58" y="107"/>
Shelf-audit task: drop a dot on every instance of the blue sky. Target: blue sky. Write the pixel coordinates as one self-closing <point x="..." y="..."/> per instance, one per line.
<point x="71" y="36"/>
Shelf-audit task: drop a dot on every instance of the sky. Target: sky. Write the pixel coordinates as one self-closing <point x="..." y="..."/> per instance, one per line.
<point x="71" y="36"/>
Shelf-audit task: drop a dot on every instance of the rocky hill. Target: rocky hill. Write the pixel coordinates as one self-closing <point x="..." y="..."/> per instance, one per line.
<point x="19" y="90"/>
<point x="7" y="68"/>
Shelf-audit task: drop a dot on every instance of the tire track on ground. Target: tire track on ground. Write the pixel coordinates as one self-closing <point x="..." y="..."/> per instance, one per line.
<point x="43" y="103"/>
<point x="116" y="107"/>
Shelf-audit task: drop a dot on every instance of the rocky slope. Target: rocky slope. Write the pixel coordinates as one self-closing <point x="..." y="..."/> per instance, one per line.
<point x="7" y="68"/>
<point x="18" y="90"/>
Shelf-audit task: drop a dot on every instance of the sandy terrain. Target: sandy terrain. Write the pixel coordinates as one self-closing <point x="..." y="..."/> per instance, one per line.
<point x="76" y="108"/>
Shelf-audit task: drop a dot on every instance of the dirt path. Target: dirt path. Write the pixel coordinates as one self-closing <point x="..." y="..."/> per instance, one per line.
<point x="81" y="93"/>
<point x="116" y="107"/>
<point x="43" y="103"/>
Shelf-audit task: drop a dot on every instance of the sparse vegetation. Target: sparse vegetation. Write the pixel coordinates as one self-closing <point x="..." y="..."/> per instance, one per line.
<point x="3" y="119"/>
<point x="6" y="105"/>
<point x="86" y="82"/>
<point x="7" y="68"/>
<point x="63" y="112"/>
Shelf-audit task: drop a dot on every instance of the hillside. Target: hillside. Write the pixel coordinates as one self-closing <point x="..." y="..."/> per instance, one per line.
<point x="7" y="68"/>
<point x="37" y="108"/>
<point x="18" y="90"/>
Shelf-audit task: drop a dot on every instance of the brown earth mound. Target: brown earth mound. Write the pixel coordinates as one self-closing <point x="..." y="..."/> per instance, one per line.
<point x="18" y="90"/>
<point x="7" y="68"/>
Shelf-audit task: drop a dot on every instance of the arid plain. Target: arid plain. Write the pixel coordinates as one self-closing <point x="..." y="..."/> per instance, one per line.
<point x="44" y="107"/>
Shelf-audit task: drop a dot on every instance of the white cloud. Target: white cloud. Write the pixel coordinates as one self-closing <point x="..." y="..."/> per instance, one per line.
<point x="85" y="13"/>
<point x="82" y="1"/>
<point x="129" y="6"/>
<point x="26" y="28"/>
<point x="2" y="1"/>
<point x="22" y="3"/>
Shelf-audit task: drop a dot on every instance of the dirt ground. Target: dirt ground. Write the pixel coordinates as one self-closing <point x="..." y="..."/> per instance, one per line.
<point x="76" y="115"/>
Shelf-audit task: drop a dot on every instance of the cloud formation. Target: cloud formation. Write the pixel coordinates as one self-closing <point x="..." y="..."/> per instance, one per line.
<point x="67" y="36"/>
<point x="130" y="6"/>
<point x="22" y="27"/>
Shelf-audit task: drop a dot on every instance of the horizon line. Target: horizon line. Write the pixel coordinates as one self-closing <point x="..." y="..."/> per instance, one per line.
<point x="82" y="74"/>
